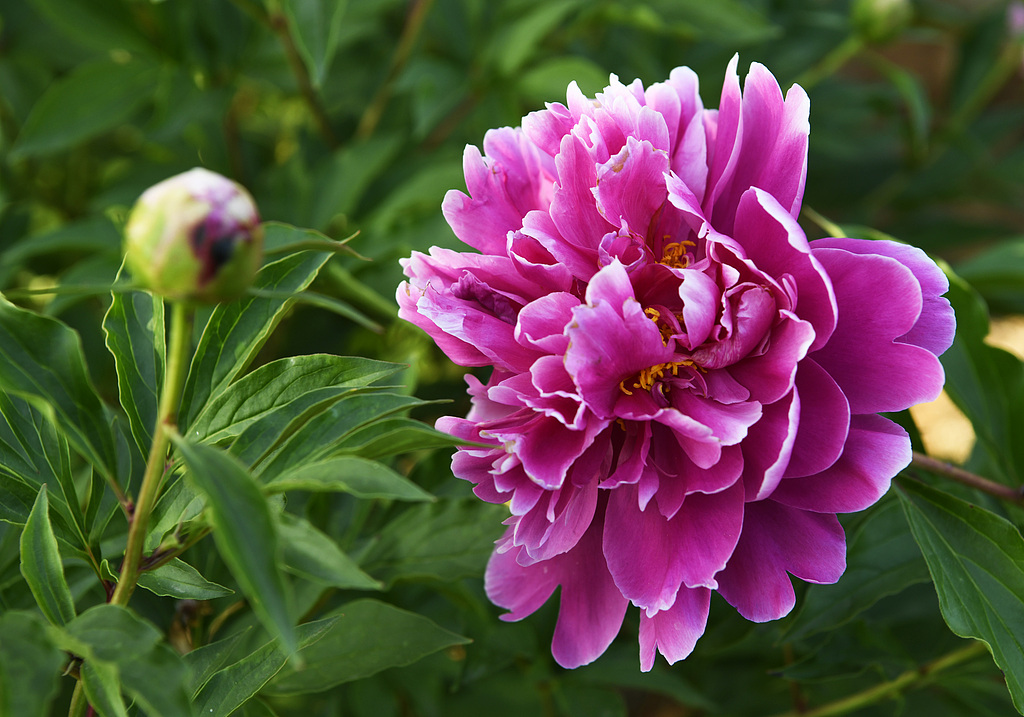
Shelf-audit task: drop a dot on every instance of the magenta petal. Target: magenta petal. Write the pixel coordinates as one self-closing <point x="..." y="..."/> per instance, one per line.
<point x="520" y="590"/>
<point x="591" y="609"/>
<point x="674" y="632"/>
<point x="631" y="186"/>
<point x="876" y="450"/>
<point x="769" y="446"/>
<point x="650" y="556"/>
<point x="554" y="526"/>
<point x="936" y="325"/>
<point x="777" y="540"/>
<point x="542" y="323"/>
<point x="824" y="421"/>
<point x="875" y="371"/>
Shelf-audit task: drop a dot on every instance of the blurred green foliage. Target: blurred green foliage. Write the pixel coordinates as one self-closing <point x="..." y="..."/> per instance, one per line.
<point x="349" y="116"/>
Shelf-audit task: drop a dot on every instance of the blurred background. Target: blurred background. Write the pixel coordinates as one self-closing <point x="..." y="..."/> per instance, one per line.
<point x="351" y="116"/>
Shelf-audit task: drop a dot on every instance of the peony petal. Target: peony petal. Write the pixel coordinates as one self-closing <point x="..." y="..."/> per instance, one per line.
<point x="875" y="451"/>
<point x="863" y="355"/>
<point x="674" y="632"/>
<point x="778" y="539"/>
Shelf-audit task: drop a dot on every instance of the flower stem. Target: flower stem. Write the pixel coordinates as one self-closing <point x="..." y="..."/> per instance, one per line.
<point x="78" y="701"/>
<point x="910" y="678"/>
<point x="174" y="379"/>
<point x="933" y="465"/>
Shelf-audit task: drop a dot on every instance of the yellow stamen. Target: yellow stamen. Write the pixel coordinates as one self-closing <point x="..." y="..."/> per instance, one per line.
<point x="646" y="378"/>
<point x="674" y="254"/>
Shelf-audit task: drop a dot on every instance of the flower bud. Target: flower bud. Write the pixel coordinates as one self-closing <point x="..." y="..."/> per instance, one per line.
<point x="194" y="237"/>
<point x="878" y="21"/>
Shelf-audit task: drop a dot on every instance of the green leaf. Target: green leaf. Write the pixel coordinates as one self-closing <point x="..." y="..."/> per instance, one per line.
<point x="135" y="336"/>
<point x="349" y="474"/>
<point x="103" y="688"/>
<point x="245" y="533"/>
<point x="523" y="34"/>
<point x="103" y="25"/>
<point x="233" y="686"/>
<point x="393" y="436"/>
<point x="278" y="384"/>
<point x="445" y="541"/>
<point x="998" y="275"/>
<point x="124" y="648"/>
<point x="882" y="559"/>
<point x="42" y="360"/>
<point x="322" y="433"/>
<point x="93" y="99"/>
<point x="976" y="559"/>
<point x="30" y="665"/>
<point x="309" y="553"/>
<point x="204" y="662"/>
<point x="549" y="79"/>
<point x="41" y="565"/>
<point x="238" y="329"/>
<point x="368" y="637"/>
<point x="316" y="27"/>
<point x="178" y="579"/>
<point x="987" y="384"/>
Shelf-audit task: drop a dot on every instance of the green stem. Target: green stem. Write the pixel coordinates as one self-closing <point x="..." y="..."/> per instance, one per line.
<point x="910" y="678"/>
<point x="942" y="468"/>
<point x="174" y="379"/>
<point x="78" y="701"/>
<point x="830" y="63"/>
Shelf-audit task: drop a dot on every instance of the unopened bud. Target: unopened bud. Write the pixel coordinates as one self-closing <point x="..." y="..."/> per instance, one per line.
<point x="194" y="237"/>
<point x="878" y="21"/>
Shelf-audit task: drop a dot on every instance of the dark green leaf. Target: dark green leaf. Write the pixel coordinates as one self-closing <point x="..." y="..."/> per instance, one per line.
<point x="311" y="554"/>
<point x="41" y="359"/>
<point x="316" y="27"/>
<point x="368" y="637"/>
<point x="29" y="666"/>
<point x="987" y="384"/>
<point x="349" y="474"/>
<point x="236" y="330"/>
<point x="393" y="436"/>
<point x="245" y="533"/>
<point x="157" y="682"/>
<point x="976" y="559"/>
<point x="103" y="25"/>
<point x="41" y="565"/>
<point x="445" y="540"/>
<point x="204" y="662"/>
<point x="321" y="434"/>
<point x="135" y="336"/>
<point x="521" y="36"/>
<point x="278" y="384"/>
<point x="180" y="580"/>
<point x="998" y="275"/>
<point x="239" y="682"/>
<point x="882" y="559"/>
<point x="113" y="633"/>
<point x="93" y="99"/>
<point x="103" y="688"/>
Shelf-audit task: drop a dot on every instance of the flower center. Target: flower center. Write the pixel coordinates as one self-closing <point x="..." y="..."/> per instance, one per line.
<point x="645" y="379"/>
<point x="675" y="254"/>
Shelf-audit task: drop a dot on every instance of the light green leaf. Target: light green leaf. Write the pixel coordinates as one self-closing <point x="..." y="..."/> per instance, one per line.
<point x="976" y="559"/>
<point x="523" y="34"/>
<point x="238" y="329"/>
<point x="30" y="666"/>
<point x="42" y="360"/>
<point x="135" y="336"/>
<point x="349" y="474"/>
<point x="998" y="274"/>
<point x="236" y="684"/>
<point x="882" y="559"/>
<point x="550" y="78"/>
<point x="368" y="637"/>
<point x="278" y="384"/>
<point x="446" y="541"/>
<point x="316" y="27"/>
<point x="93" y="99"/>
<point x="309" y="553"/>
<point x="204" y="662"/>
<point x="41" y="565"/>
<point x="180" y="580"/>
<point x="245" y="533"/>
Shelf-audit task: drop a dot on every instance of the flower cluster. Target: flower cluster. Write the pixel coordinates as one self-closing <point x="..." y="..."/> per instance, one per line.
<point x="684" y="391"/>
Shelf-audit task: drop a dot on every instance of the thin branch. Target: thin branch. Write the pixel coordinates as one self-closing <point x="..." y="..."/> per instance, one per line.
<point x="948" y="470"/>
<point x="413" y="25"/>
<point x="909" y="679"/>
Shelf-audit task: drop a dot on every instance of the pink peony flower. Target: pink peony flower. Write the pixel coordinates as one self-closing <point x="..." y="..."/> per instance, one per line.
<point x="684" y="391"/>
